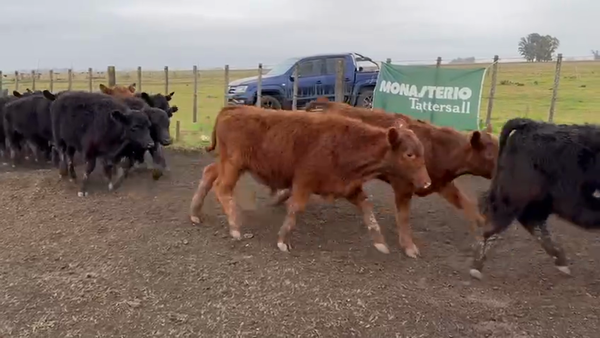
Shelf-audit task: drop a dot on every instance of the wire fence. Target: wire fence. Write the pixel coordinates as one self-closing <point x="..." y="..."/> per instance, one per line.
<point x="566" y="90"/>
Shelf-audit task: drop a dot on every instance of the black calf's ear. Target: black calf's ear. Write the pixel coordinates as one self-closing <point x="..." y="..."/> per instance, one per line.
<point x="49" y="95"/>
<point x="174" y="109"/>
<point x="120" y="117"/>
<point x="147" y="98"/>
<point x="16" y="94"/>
<point x="170" y="96"/>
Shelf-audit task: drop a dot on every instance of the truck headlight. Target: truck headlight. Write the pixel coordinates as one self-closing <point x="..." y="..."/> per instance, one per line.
<point x="240" y="89"/>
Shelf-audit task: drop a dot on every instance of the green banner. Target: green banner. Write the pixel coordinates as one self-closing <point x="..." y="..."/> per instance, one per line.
<point x="449" y="97"/>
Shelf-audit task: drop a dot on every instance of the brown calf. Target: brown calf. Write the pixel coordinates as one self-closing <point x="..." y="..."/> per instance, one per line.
<point x="119" y="90"/>
<point x="448" y="155"/>
<point x="328" y="155"/>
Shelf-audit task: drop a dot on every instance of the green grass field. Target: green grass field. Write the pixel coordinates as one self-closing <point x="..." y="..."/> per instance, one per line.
<point x="524" y="89"/>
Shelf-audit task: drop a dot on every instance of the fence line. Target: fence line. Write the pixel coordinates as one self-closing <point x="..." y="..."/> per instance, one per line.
<point x="172" y="79"/>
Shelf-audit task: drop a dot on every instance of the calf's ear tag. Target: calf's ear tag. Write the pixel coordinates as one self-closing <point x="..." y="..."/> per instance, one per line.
<point x="596" y="193"/>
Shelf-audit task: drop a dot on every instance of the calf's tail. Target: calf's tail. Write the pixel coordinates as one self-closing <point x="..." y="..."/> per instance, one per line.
<point x="509" y="127"/>
<point x="213" y="136"/>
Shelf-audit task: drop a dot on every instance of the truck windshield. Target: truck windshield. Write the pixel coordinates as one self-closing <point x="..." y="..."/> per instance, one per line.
<point x="283" y="67"/>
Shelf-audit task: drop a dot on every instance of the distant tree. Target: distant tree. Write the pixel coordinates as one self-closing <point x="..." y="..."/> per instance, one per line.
<point x="538" y="48"/>
<point x="470" y="59"/>
<point x="596" y="54"/>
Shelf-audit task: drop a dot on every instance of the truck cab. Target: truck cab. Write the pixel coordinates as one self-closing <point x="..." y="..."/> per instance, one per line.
<point x="316" y="78"/>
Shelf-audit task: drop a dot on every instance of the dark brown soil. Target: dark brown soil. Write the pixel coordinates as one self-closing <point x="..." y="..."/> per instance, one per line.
<point x="131" y="264"/>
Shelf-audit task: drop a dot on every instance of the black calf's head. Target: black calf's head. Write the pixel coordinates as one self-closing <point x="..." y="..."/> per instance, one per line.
<point x="160" y="101"/>
<point x="137" y="126"/>
<point x="160" y="124"/>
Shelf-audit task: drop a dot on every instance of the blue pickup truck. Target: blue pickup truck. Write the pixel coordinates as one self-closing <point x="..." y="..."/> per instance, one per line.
<point x="316" y="77"/>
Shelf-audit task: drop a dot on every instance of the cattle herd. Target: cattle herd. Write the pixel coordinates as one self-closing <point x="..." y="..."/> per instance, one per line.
<point x="115" y="125"/>
<point x="331" y="150"/>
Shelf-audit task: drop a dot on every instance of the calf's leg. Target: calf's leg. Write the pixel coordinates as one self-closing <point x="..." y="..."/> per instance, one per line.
<point x="296" y="204"/>
<point x="209" y="175"/>
<point x="458" y="199"/>
<point x="90" y="164"/>
<point x="402" y="199"/>
<point x="359" y="199"/>
<point x="543" y="236"/>
<point x="160" y="163"/>
<point x="71" y="163"/>
<point x="281" y="196"/>
<point x="226" y="180"/>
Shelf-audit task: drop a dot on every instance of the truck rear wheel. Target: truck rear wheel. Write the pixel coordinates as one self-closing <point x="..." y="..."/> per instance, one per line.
<point x="365" y="98"/>
<point x="270" y="102"/>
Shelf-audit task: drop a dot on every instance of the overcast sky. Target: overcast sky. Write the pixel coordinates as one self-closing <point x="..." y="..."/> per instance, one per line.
<point x="181" y="33"/>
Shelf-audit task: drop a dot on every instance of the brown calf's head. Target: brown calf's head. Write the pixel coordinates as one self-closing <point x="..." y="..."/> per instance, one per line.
<point x="408" y="156"/>
<point x="119" y="90"/>
<point x="482" y="153"/>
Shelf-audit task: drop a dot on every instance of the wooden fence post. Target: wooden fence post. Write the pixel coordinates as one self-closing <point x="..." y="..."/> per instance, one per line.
<point x="259" y="86"/>
<point x="91" y="79"/>
<point x="51" y="89"/>
<point x="166" y="80"/>
<point x="139" y="79"/>
<point x="195" y="109"/>
<point x="555" y="87"/>
<point x="16" y="80"/>
<point x="1" y="82"/>
<point x="33" y="80"/>
<point x="112" y="76"/>
<point x="295" y="88"/>
<point x="226" y="90"/>
<point x="70" y="80"/>
<point x="438" y="62"/>
<point x="488" y="117"/>
<point x="177" y="131"/>
<point x="339" y="81"/>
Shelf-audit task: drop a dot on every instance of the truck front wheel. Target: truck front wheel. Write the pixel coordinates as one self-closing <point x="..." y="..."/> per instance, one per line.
<point x="270" y="102"/>
<point x="365" y="98"/>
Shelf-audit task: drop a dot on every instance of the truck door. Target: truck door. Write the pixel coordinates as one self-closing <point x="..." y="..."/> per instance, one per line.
<point x="310" y="80"/>
<point x="330" y="76"/>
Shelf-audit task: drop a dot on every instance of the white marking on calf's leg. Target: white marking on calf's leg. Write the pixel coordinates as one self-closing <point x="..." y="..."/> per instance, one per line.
<point x="564" y="269"/>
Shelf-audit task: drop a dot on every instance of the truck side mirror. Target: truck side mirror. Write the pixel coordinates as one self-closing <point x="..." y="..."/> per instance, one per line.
<point x="292" y="78"/>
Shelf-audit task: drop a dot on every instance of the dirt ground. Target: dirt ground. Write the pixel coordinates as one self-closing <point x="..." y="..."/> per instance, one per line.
<point x="131" y="264"/>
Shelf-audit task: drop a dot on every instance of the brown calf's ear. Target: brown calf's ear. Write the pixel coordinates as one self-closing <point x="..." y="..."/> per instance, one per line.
<point x="105" y="89"/>
<point x="132" y="87"/>
<point x="476" y="140"/>
<point x="393" y="137"/>
<point x="28" y="90"/>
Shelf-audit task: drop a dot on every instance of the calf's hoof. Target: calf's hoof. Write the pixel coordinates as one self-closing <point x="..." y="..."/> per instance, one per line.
<point x="564" y="269"/>
<point x="156" y="174"/>
<point x="284" y="247"/>
<point x="381" y="247"/>
<point x="195" y="219"/>
<point x="82" y="194"/>
<point x="412" y="251"/>
<point x="476" y="274"/>
<point x="235" y="234"/>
